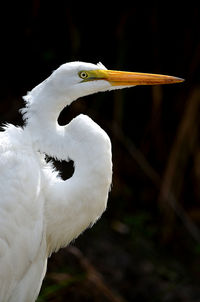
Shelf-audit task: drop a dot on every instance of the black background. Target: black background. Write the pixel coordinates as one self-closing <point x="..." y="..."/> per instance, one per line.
<point x="146" y="241"/>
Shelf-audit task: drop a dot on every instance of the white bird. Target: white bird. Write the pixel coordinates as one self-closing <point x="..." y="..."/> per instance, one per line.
<point x="40" y="212"/>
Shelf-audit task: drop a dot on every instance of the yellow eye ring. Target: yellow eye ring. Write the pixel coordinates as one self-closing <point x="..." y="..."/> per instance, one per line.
<point x="83" y="74"/>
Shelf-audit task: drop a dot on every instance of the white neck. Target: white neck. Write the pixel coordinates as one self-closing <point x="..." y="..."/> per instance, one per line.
<point x="71" y="205"/>
<point x="41" y="114"/>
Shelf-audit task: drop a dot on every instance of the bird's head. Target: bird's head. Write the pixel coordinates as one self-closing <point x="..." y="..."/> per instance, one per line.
<point x="78" y="79"/>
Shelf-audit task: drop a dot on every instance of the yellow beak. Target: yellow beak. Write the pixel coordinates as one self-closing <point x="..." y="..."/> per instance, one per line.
<point x="135" y="78"/>
<point x="123" y="78"/>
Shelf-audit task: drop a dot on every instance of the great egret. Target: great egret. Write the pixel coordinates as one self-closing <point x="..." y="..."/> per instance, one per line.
<point x="39" y="212"/>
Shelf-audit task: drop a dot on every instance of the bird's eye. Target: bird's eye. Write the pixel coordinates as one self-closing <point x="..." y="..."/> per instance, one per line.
<point x="83" y="74"/>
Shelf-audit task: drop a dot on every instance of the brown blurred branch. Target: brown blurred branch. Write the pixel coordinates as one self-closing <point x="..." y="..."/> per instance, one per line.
<point x="92" y="279"/>
<point x="136" y="155"/>
<point x="94" y="276"/>
<point x="156" y="179"/>
<point x="184" y="144"/>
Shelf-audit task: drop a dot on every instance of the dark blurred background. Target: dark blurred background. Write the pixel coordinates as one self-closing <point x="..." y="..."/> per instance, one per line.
<point x="146" y="247"/>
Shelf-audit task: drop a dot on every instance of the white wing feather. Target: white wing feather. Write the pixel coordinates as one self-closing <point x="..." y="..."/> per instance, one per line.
<point x="21" y="220"/>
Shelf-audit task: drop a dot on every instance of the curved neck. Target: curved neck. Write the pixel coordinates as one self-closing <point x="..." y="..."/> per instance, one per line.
<point x="71" y="205"/>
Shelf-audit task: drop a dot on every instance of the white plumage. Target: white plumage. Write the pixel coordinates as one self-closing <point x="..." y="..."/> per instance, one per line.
<point x="39" y="212"/>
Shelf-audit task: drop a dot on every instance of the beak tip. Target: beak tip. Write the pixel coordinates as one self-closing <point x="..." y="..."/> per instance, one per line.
<point x="179" y="80"/>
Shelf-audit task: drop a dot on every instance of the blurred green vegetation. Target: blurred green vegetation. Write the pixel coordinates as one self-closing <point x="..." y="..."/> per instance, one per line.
<point x="146" y="247"/>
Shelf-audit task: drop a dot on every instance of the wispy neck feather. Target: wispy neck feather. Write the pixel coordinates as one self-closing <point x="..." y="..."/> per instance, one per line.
<point x="43" y="100"/>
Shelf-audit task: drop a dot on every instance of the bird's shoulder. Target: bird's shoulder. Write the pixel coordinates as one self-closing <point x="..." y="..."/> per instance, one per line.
<point x="20" y="165"/>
